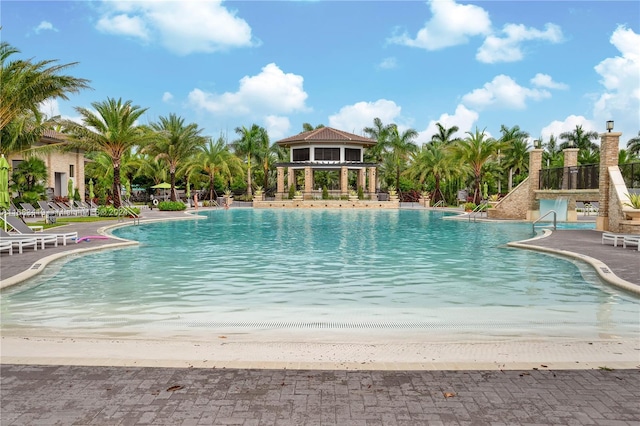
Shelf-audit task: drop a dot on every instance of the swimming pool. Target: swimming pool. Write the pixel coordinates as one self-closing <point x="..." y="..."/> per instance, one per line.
<point x="404" y="270"/>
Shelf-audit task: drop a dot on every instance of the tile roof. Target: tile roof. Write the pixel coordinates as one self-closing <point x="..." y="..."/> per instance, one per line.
<point x="326" y="135"/>
<point x="52" y="134"/>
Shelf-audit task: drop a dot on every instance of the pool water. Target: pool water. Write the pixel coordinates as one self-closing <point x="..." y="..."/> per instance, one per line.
<point x="395" y="269"/>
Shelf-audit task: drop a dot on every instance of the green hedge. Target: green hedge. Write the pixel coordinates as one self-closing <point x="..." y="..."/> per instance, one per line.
<point x="171" y="206"/>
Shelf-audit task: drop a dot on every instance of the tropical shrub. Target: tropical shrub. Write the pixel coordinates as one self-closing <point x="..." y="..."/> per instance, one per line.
<point x="470" y="206"/>
<point x="634" y="201"/>
<point x="292" y="192"/>
<point x="360" y="193"/>
<point x="325" y="192"/>
<point x="171" y="206"/>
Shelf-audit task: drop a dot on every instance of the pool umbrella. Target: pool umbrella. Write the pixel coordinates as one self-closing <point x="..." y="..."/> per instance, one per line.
<point x="91" y="190"/>
<point x="163" y="185"/>
<point x="486" y="191"/>
<point x="188" y="190"/>
<point x="4" y="183"/>
<point x="70" y="188"/>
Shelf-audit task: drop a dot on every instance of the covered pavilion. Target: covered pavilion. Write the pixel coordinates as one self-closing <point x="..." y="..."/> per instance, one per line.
<point x="327" y="149"/>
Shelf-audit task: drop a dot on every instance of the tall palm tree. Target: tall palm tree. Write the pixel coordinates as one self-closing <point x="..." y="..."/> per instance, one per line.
<point x="516" y="147"/>
<point x="433" y="159"/>
<point x="401" y="145"/>
<point x="216" y="158"/>
<point x="579" y="138"/>
<point x="633" y="145"/>
<point x="175" y="144"/>
<point x="112" y="129"/>
<point x="247" y="146"/>
<point x="25" y="84"/>
<point x="380" y="133"/>
<point x="265" y="155"/>
<point x="474" y="151"/>
<point x="444" y="136"/>
<point x="552" y="155"/>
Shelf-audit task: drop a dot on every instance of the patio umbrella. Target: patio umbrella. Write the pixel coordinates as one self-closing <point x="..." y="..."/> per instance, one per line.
<point x="163" y="185"/>
<point x="188" y="190"/>
<point x="486" y="191"/>
<point x="91" y="196"/>
<point x="4" y="183"/>
<point x="70" y="188"/>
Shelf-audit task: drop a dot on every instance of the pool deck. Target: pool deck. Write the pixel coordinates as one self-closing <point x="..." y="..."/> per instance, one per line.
<point x="508" y="386"/>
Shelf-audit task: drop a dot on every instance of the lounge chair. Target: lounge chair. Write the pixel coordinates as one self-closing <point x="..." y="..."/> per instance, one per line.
<point x="19" y="226"/>
<point x="616" y="238"/>
<point x="42" y="238"/>
<point x="90" y="209"/>
<point x="6" y="246"/>
<point x="29" y="210"/>
<point x="21" y="243"/>
<point x="81" y="209"/>
<point x="47" y="209"/>
<point x="13" y="210"/>
<point x="631" y="240"/>
<point x="66" y="210"/>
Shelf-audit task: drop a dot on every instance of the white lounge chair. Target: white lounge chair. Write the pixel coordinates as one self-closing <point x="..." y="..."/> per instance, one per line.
<point x="42" y="239"/>
<point x="29" y="210"/>
<point x="631" y="240"/>
<point x="6" y="246"/>
<point x="616" y="238"/>
<point x="23" y="228"/>
<point x="21" y="243"/>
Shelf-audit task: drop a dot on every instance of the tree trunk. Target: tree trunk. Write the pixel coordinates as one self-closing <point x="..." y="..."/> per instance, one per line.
<point x="249" y="177"/>
<point x="117" y="201"/>
<point x="211" y="184"/>
<point x="173" y="186"/>
<point x="510" y="179"/>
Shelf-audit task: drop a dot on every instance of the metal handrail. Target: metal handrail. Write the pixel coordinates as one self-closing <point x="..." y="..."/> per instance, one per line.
<point x="128" y="211"/>
<point x="555" y="215"/>
<point x="479" y="209"/>
<point x="439" y="204"/>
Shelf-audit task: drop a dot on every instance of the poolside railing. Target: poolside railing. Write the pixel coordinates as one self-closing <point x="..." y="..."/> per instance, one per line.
<point x="480" y="208"/>
<point x="555" y="215"/>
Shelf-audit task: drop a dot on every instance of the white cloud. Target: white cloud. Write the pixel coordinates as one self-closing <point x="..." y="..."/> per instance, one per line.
<point x="45" y="26"/>
<point x="545" y="80"/>
<point x="167" y="97"/>
<point x="388" y="63"/>
<point x="620" y="100"/>
<point x="124" y="25"/>
<point x="181" y="27"/>
<point x="277" y="126"/>
<point x="503" y="92"/>
<point x="451" y="24"/>
<point x="569" y="124"/>
<point x="270" y="92"/>
<point x="354" y="118"/>
<point x="50" y="108"/>
<point x="508" y="48"/>
<point x="463" y="117"/>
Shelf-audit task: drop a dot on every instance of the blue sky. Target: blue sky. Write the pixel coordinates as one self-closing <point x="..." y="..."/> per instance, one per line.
<point x="544" y="66"/>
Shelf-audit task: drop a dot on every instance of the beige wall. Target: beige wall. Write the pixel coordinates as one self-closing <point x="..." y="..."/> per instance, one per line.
<point x="514" y="205"/>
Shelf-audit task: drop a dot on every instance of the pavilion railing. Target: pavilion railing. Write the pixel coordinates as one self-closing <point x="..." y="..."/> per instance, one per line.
<point x="567" y="178"/>
<point x="631" y="174"/>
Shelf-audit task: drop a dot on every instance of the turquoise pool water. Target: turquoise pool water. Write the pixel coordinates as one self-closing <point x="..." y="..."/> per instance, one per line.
<point x="397" y="269"/>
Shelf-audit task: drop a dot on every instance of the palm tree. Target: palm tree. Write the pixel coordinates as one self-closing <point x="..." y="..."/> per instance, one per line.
<point x="433" y="159"/>
<point x="380" y="133"/>
<point x="215" y="158"/>
<point x="247" y="146"/>
<point x="266" y="155"/>
<point x="516" y="147"/>
<point x="474" y="151"/>
<point x="176" y="143"/>
<point x="112" y="130"/>
<point x="444" y="136"/>
<point x="633" y="145"/>
<point x="552" y="155"/>
<point x="401" y="145"/>
<point x="25" y="84"/>
<point x="307" y="127"/>
<point x="579" y="138"/>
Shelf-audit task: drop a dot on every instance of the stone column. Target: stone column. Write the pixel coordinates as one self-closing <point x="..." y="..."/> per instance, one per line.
<point x="291" y="178"/>
<point x="308" y="181"/>
<point x="570" y="180"/>
<point x="280" y="183"/>
<point x="535" y="163"/>
<point x="609" y="145"/>
<point x="344" y="180"/>
<point x="372" y="181"/>
<point x="362" y="179"/>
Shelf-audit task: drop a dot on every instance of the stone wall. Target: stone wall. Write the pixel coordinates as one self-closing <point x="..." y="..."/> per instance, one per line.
<point x="514" y="205"/>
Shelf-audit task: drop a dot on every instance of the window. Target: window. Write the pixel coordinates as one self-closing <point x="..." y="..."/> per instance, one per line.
<point x="351" y="154"/>
<point x="327" y="154"/>
<point x="301" y="154"/>
<point x="71" y="170"/>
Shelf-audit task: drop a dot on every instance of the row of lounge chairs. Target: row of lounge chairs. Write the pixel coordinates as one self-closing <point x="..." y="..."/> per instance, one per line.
<point x="21" y="236"/>
<point x="53" y="208"/>
<point x="631" y="240"/>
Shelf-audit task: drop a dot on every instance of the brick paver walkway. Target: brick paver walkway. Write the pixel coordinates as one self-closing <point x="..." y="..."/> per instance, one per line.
<point x="69" y="395"/>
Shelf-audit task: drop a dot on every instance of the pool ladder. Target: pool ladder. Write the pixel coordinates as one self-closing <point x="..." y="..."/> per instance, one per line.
<point x="480" y="208"/>
<point x="554" y="226"/>
<point x="439" y="204"/>
<point x="125" y="211"/>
